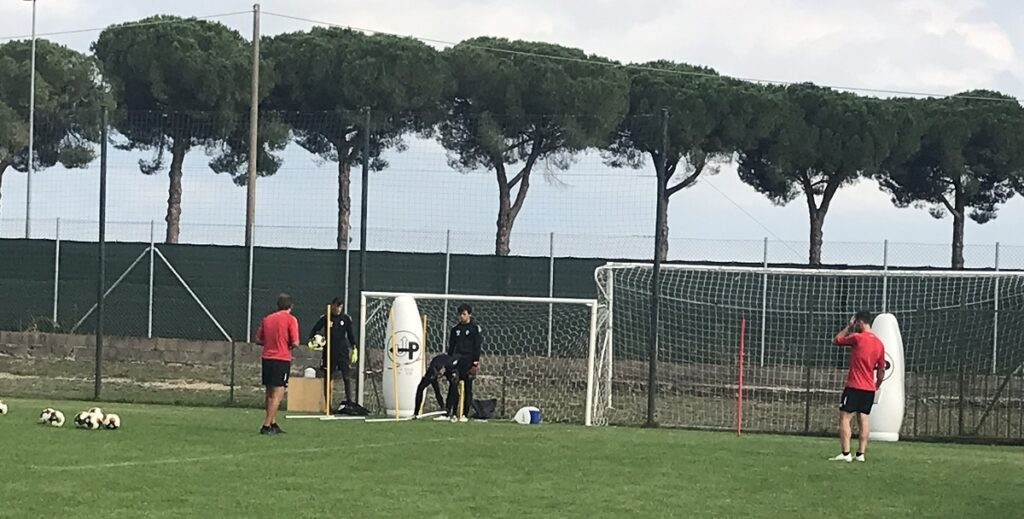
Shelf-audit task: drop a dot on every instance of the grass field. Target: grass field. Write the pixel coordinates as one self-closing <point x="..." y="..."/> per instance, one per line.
<point x="170" y="461"/>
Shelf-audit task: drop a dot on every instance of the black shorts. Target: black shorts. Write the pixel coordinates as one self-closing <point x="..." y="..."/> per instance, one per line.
<point x="275" y="372"/>
<point x="857" y="401"/>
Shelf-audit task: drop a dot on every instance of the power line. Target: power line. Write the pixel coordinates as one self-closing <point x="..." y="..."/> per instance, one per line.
<point x="646" y="69"/>
<point x="130" y="24"/>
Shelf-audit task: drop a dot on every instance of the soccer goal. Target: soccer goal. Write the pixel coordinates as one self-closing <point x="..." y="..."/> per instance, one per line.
<point x="962" y="333"/>
<point x="537" y="351"/>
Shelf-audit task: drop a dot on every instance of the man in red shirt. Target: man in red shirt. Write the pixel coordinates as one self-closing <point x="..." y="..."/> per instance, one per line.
<point x="278" y="333"/>
<point x="867" y="369"/>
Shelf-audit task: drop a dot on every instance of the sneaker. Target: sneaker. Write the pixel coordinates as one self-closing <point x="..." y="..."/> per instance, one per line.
<point x="277" y="430"/>
<point x="463" y="419"/>
<point x="267" y="430"/>
<point x="842" y="457"/>
<point x="454" y="419"/>
<point x="442" y="418"/>
<point x="859" y="457"/>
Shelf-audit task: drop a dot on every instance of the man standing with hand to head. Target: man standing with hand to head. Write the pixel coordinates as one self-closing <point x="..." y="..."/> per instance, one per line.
<point x="278" y="333"/>
<point x="867" y="369"/>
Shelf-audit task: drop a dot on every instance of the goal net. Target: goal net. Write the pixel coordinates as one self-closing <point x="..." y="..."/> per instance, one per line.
<point x="537" y="351"/>
<point x="962" y="332"/>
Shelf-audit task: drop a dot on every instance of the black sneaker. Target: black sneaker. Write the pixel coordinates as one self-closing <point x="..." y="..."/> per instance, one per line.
<point x="267" y="430"/>
<point x="277" y="430"/>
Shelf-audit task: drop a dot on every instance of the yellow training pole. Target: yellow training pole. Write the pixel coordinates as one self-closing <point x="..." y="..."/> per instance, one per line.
<point x="462" y="397"/>
<point x="423" y="349"/>
<point x="394" y="362"/>
<point x="327" y="380"/>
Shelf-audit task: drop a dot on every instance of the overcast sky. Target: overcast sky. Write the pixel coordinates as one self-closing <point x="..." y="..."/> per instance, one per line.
<point x="934" y="46"/>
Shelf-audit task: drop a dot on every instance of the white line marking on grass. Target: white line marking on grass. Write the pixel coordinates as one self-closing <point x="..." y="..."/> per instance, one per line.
<point x="194" y="459"/>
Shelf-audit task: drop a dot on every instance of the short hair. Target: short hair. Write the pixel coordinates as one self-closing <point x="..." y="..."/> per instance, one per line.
<point x="336" y="301"/>
<point x="284" y="301"/>
<point x="465" y="308"/>
<point x="865" y="317"/>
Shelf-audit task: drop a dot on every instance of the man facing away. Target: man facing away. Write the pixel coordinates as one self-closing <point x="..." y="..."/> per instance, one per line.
<point x="278" y="333"/>
<point x="867" y="369"/>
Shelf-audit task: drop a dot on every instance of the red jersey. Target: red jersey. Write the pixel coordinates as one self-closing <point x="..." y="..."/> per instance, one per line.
<point x="277" y="332"/>
<point x="867" y="353"/>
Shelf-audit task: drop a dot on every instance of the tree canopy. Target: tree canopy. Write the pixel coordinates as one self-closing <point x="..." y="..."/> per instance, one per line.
<point x="513" y="108"/>
<point x="68" y="106"/>
<point x="180" y="83"/>
<point x="969" y="160"/>
<point x="327" y="77"/>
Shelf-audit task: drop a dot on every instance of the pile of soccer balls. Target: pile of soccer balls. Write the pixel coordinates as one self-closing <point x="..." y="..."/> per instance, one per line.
<point x="91" y="419"/>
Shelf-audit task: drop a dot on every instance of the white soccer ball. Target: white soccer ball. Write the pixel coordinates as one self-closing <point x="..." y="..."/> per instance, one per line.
<point x="528" y="415"/>
<point x="309" y="373"/>
<point x="95" y="411"/>
<point x="3" y="407"/>
<point x="112" y="421"/>
<point x="44" y="417"/>
<point x="56" y="419"/>
<point x="87" y="420"/>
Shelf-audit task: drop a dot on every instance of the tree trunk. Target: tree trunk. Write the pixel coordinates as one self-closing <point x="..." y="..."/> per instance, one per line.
<point x="508" y="209"/>
<point x="959" y="214"/>
<point x="178" y="150"/>
<point x="344" y="200"/>
<point x="817" y="212"/>
<point x="663" y="231"/>
<point x="505" y="219"/>
<point x="817" y="237"/>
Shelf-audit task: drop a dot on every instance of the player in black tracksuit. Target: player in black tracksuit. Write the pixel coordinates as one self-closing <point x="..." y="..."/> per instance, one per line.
<point x="464" y="345"/>
<point x="342" y="339"/>
<point x="441" y="366"/>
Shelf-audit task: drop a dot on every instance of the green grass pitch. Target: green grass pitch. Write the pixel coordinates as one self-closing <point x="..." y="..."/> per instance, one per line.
<point x="170" y="461"/>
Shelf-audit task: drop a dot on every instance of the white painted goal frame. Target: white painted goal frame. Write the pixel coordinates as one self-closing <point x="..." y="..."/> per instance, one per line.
<point x="704" y="307"/>
<point x="544" y="307"/>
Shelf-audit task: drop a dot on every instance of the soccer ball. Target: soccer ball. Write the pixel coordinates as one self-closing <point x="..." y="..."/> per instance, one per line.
<point x="96" y="411"/>
<point x="3" y="407"/>
<point x="111" y="421"/>
<point x="44" y="417"/>
<point x="56" y="418"/>
<point x="317" y="342"/>
<point x="87" y="420"/>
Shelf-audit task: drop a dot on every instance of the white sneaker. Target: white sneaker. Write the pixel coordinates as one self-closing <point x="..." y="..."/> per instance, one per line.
<point x="463" y="419"/>
<point x="454" y="419"/>
<point x="842" y="457"/>
<point x="441" y="418"/>
<point x="859" y="458"/>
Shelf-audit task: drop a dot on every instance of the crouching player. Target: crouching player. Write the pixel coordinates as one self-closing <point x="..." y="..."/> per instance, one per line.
<point x="441" y="366"/>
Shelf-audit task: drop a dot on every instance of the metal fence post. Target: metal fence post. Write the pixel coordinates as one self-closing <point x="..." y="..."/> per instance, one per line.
<point x="885" y="276"/>
<point x="551" y="286"/>
<point x="56" y="273"/>
<point x="248" y="303"/>
<point x="764" y="300"/>
<point x="995" y="315"/>
<point x="447" y="275"/>
<point x="152" y="247"/>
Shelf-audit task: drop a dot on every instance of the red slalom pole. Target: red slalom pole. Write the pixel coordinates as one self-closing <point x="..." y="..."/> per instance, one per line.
<point x="739" y="385"/>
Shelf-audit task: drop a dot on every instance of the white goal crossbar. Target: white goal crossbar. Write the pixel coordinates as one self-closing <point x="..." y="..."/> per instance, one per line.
<point x="591" y="304"/>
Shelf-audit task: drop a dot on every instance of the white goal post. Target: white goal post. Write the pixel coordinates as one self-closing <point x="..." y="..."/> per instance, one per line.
<point x="962" y="332"/>
<point x="525" y="360"/>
